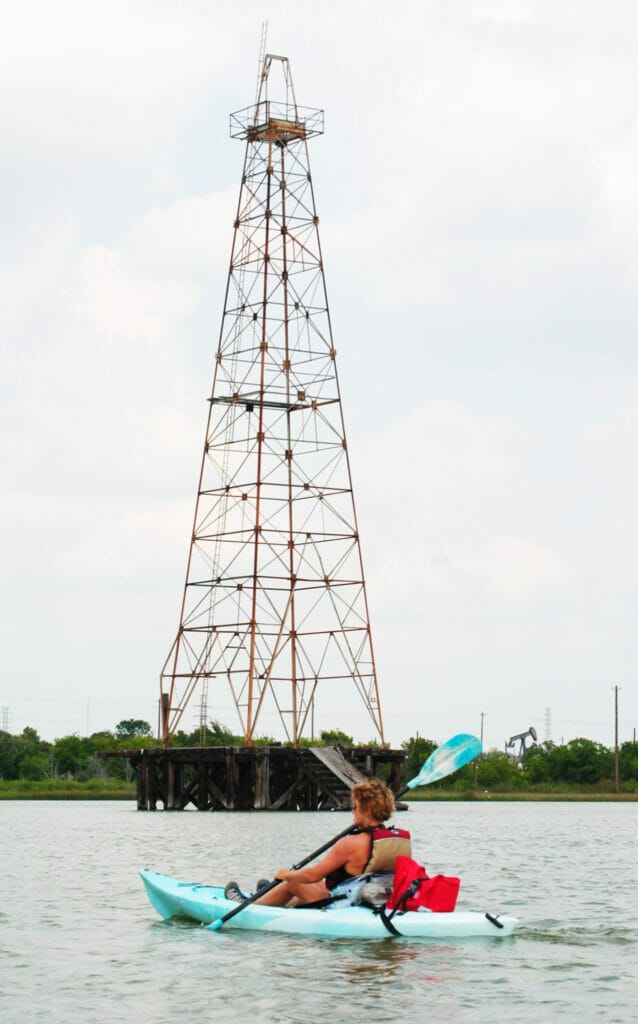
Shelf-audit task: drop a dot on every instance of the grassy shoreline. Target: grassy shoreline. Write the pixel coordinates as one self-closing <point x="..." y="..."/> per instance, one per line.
<point x="25" y="790"/>
<point x="50" y="790"/>
<point x="547" y="797"/>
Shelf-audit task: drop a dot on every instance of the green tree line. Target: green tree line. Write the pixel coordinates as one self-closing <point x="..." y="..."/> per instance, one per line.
<point x="581" y="763"/>
<point x="75" y="758"/>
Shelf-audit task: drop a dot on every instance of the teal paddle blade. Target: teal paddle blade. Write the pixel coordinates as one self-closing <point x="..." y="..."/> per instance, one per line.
<point x="448" y="758"/>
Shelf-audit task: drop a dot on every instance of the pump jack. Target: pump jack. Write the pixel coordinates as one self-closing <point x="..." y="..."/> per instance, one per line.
<point x="522" y="738"/>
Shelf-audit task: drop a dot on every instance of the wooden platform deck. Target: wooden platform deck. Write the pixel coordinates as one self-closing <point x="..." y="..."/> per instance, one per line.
<point x="273" y="778"/>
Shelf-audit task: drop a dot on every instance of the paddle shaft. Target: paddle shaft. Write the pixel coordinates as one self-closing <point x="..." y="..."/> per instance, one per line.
<point x="401" y="792"/>
<point x="271" y="885"/>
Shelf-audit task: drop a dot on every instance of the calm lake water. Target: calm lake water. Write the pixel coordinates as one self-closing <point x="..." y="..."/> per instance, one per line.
<point x="79" y="941"/>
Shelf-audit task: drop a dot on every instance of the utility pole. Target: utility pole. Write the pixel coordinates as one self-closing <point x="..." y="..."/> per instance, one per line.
<point x="481" y="754"/>
<point x="616" y="751"/>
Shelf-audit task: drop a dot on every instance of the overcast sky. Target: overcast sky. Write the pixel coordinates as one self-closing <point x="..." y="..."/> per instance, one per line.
<point x="477" y="190"/>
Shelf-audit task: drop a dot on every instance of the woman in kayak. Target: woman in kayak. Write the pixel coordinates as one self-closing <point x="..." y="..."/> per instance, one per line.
<point x="372" y="848"/>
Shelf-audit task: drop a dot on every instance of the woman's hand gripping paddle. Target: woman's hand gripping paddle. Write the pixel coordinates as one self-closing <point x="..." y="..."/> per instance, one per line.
<point x="445" y="760"/>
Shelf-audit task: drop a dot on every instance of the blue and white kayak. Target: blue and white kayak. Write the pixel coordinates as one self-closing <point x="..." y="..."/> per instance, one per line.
<point x="207" y="903"/>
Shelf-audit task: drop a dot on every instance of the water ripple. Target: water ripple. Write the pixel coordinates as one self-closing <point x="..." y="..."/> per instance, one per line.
<point x="82" y="945"/>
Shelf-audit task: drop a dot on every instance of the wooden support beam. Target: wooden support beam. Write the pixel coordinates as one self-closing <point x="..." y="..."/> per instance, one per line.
<point x="256" y="778"/>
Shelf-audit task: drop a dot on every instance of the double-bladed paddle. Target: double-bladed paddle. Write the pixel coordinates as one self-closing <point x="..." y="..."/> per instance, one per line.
<point x="446" y="759"/>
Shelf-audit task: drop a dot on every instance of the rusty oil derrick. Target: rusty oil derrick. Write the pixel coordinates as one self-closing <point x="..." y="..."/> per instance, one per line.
<point x="274" y="603"/>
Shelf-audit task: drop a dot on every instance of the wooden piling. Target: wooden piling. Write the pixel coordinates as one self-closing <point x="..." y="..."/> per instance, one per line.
<point x="256" y="778"/>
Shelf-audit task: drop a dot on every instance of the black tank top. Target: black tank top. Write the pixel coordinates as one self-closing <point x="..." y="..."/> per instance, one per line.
<point x="336" y="877"/>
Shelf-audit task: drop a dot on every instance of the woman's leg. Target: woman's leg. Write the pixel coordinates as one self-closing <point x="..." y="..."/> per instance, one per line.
<point x="293" y="893"/>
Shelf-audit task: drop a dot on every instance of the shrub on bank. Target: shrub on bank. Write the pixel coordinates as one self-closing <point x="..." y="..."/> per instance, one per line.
<point x="56" y="789"/>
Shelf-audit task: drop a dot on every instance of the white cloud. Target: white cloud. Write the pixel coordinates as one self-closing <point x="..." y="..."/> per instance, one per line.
<point x="124" y="308"/>
<point x="108" y="79"/>
<point x="475" y="189"/>
<point x="517" y="569"/>
<point x="188" y="237"/>
<point x="505" y="12"/>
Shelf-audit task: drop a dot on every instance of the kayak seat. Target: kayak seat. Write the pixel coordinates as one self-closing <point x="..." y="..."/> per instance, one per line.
<point x="374" y="887"/>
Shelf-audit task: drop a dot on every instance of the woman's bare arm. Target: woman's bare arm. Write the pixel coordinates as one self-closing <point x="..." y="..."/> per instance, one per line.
<point x="351" y="851"/>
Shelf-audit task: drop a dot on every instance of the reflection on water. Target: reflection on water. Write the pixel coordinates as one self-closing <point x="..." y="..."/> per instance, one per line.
<point x="79" y="941"/>
<point x="383" y="960"/>
<point x="400" y="964"/>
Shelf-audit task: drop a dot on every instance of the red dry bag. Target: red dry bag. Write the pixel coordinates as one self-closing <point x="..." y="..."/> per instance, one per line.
<point x="413" y="888"/>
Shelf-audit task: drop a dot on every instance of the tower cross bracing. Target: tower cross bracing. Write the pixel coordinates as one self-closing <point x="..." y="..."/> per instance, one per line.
<point x="274" y="605"/>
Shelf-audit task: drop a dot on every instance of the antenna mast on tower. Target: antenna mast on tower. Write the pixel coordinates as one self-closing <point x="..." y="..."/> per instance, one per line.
<point x="274" y="605"/>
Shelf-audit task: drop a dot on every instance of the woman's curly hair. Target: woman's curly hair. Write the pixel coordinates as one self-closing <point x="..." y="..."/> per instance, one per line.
<point x="374" y="798"/>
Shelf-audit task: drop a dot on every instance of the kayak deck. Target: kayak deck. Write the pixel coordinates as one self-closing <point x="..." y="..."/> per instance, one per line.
<point x="172" y="897"/>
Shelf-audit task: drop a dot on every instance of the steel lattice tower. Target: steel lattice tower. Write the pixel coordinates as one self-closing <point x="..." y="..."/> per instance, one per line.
<point x="275" y="600"/>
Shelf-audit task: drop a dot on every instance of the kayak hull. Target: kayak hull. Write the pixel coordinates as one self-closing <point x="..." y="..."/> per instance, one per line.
<point x="172" y="897"/>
